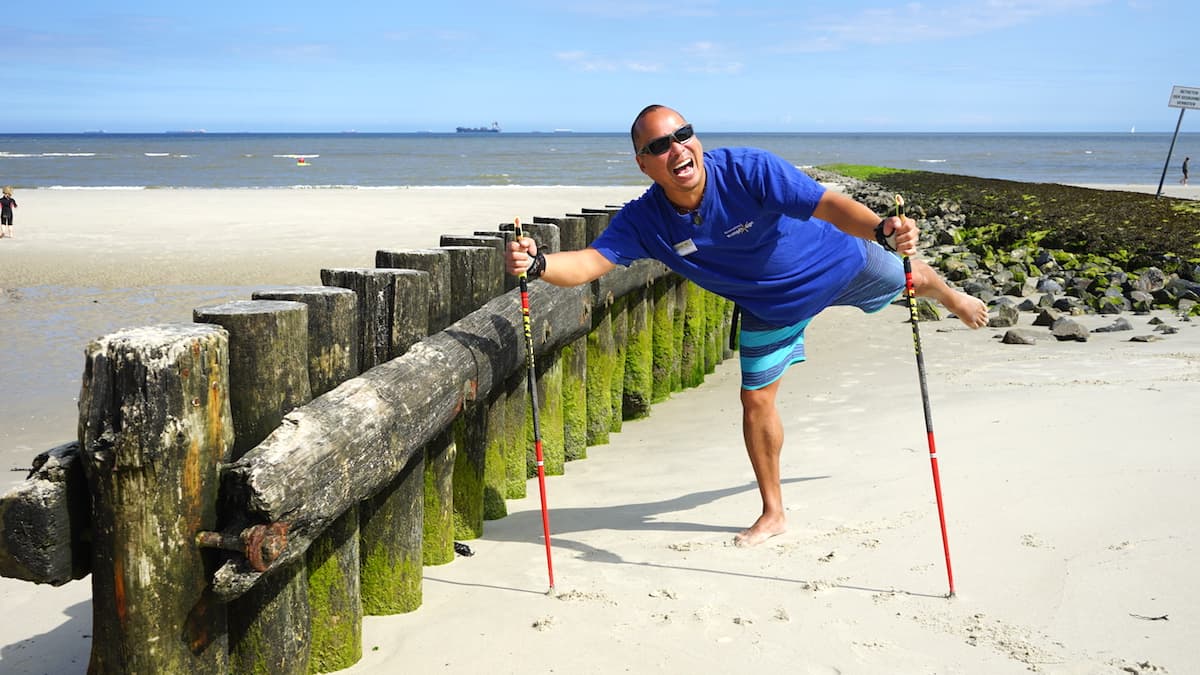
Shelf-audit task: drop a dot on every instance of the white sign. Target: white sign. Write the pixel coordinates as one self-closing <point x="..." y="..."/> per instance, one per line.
<point x="1185" y="97"/>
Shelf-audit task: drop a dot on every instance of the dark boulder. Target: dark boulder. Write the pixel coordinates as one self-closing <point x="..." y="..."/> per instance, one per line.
<point x="1065" y="330"/>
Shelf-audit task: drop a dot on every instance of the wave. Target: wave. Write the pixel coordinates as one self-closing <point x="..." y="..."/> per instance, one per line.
<point x="932" y="161"/>
<point x="294" y="156"/>
<point x="96" y="187"/>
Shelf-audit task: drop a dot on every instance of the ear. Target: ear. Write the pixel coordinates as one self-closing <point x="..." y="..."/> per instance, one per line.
<point x="641" y="162"/>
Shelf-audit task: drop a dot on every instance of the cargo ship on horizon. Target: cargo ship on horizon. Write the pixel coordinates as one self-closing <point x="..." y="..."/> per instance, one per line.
<point x="494" y="129"/>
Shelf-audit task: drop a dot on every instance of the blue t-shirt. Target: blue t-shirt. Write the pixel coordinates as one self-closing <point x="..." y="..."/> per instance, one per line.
<point x="753" y="239"/>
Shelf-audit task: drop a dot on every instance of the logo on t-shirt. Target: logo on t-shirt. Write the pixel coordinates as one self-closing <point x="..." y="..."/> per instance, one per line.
<point x="739" y="229"/>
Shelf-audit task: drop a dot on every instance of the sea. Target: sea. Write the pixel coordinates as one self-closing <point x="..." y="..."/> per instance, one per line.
<point x="183" y="160"/>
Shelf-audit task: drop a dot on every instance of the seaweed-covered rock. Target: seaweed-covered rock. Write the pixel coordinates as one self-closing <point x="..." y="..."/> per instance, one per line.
<point x="1073" y="245"/>
<point x="1150" y="280"/>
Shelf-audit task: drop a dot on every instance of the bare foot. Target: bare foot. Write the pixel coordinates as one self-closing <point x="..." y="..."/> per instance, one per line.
<point x="763" y="529"/>
<point x="968" y="308"/>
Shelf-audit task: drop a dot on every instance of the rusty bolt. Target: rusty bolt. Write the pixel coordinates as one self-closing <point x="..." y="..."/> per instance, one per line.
<point x="261" y="544"/>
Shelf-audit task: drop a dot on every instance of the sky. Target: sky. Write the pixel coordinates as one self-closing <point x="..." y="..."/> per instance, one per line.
<point x="541" y="65"/>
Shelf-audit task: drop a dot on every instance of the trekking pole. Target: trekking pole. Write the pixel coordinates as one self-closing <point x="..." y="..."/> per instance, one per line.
<point x="533" y="407"/>
<point x="933" y="463"/>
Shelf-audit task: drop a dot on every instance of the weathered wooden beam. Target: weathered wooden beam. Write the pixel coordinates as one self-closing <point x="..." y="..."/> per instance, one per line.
<point x="270" y="628"/>
<point x="620" y="328"/>
<point x="572" y="231"/>
<point x="574" y="390"/>
<point x="376" y="297"/>
<point x="549" y="370"/>
<point x="434" y="261"/>
<point x="392" y="528"/>
<point x="391" y="520"/>
<point x="437" y="542"/>
<point x="624" y="280"/>
<point x="601" y="357"/>
<point x="509" y="282"/>
<point x="595" y="223"/>
<point x="546" y="235"/>
<point x="326" y="456"/>
<point x="496" y="279"/>
<point x="332" y="563"/>
<point x="639" y="357"/>
<point x="45" y="521"/>
<point x="334" y="596"/>
<point x="477" y="277"/>
<point x="495" y="476"/>
<point x="154" y="427"/>
<point x="410" y="310"/>
<point x="268" y="363"/>
<point x="470" y="437"/>
<point x="332" y="331"/>
<point x="518" y="426"/>
<point x="665" y="358"/>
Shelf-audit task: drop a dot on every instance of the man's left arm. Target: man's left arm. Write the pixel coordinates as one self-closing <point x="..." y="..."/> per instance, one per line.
<point x="858" y="220"/>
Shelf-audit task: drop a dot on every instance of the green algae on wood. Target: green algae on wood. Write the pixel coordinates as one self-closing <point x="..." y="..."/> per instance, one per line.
<point x="550" y="418"/>
<point x="695" y="337"/>
<point x="495" y="473"/>
<point x="663" y="338"/>
<point x="333" y="596"/>
<point x="468" y="474"/>
<point x="620" y="328"/>
<point x="391" y="549"/>
<point x="600" y="356"/>
<point x="517" y="425"/>
<point x="437" y="543"/>
<point x="574" y="396"/>
<point x="637" y="394"/>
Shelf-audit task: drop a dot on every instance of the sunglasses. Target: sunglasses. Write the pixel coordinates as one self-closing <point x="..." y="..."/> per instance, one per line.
<point x="663" y="143"/>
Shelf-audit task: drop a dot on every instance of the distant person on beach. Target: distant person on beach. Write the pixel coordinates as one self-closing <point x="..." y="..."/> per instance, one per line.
<point x="1185" y="170"/>
<point x="751" y="227"/>
<point x="7" y="204"/>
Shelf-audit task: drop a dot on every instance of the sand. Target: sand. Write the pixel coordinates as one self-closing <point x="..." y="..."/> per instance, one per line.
<point x="1069" y="471"/>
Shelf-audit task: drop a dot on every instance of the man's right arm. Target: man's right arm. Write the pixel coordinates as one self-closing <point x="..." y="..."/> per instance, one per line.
<point x="566" y="268"/>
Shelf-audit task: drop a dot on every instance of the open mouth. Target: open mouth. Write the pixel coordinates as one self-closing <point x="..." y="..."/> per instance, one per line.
<point x="683" y="167"/>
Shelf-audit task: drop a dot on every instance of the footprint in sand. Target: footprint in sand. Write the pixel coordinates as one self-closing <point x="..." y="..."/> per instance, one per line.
<point x="1034" y="541"/>
<point x="581" y="596"/>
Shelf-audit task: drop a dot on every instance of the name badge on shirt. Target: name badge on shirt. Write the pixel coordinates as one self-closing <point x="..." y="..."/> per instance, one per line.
<point x="686" y="247"/>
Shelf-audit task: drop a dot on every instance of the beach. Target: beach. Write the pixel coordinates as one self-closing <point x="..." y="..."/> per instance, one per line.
<point x="1068" y="469"/>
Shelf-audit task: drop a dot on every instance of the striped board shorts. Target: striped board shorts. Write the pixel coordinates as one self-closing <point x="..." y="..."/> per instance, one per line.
<point x="766" y="350"/>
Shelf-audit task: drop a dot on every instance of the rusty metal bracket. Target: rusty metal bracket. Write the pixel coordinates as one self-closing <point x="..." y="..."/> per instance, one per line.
<point x="261" y="544"/>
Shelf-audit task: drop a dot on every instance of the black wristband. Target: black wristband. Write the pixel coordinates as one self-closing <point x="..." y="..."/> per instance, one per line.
<point x="536" y="267"/>
<point x="883" y="241"/>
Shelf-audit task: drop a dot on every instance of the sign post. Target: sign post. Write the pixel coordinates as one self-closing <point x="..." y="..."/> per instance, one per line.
<point x="1182" y="98"/>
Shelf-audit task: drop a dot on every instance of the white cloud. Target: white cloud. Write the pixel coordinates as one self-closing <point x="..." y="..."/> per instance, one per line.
<point x="918" y="21"/>
<point x="589" y="63"/>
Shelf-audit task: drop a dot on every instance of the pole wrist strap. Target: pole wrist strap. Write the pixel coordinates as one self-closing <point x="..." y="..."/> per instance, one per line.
<point x="537" y="266"/>
<point x="888" y="242"/>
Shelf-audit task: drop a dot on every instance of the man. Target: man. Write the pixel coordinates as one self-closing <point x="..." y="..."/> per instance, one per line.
<point x="747" y="225"/>
<point x="1184" y="180"/>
